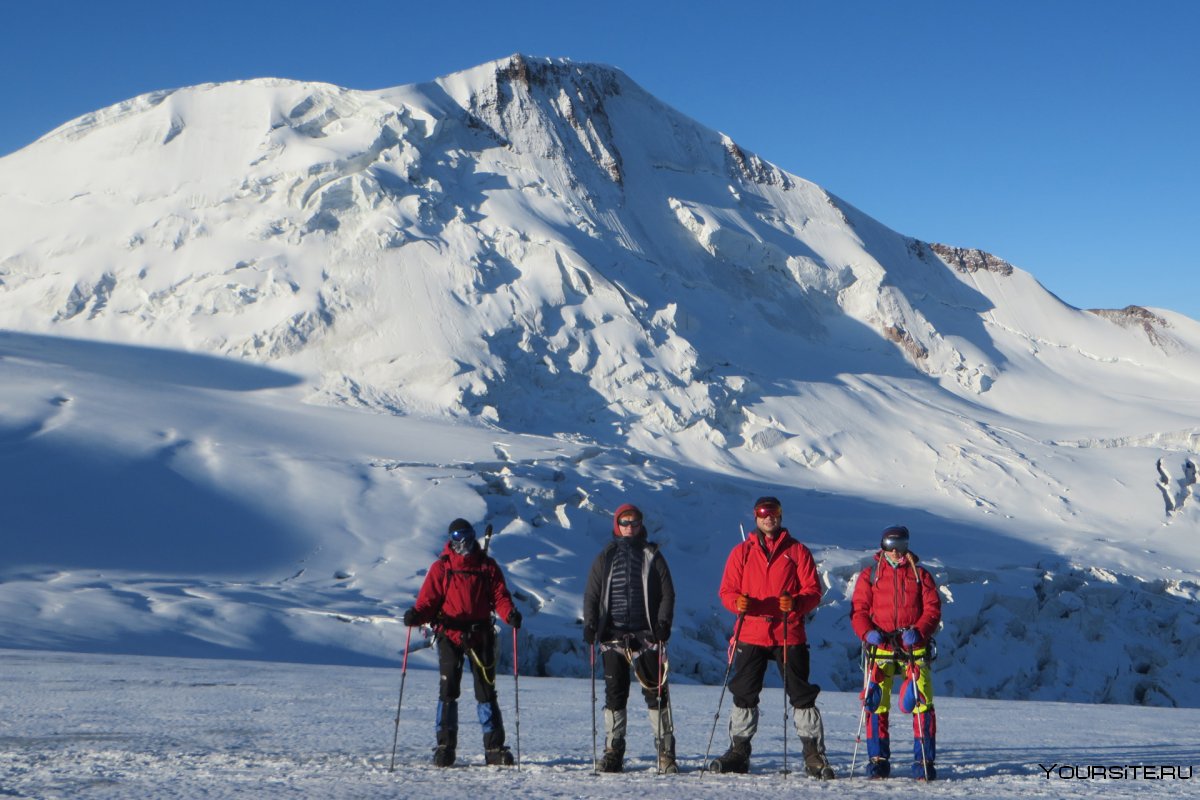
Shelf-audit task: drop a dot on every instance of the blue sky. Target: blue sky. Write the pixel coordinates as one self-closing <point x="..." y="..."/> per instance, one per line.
<point x="1061" y="136"/>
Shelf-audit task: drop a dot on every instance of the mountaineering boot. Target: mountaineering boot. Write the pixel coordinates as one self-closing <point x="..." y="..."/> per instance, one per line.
<point x="811" y="730"/>
<point x="443" y="756"/>
<point x="735" y="759"/>
<point x="815" y="762"/>
<point x="666" y="755"/>
<point x="924" y="771"/>
<point x="613" y="759"/>
<point x="498" y="757"/>
<point x="663" y="726"/>
<point x="447" y="734"/>
<point x="878" y="768"/>
<point x="743" y="723"/>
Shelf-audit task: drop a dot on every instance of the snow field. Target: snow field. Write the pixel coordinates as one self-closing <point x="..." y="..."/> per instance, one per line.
<point x="100" y="726"/>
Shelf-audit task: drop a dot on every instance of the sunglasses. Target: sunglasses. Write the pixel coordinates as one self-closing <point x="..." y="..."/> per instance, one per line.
<point x="627" y="523"/>
<point x="763" y="512"/>
<point x="460" y="535"/>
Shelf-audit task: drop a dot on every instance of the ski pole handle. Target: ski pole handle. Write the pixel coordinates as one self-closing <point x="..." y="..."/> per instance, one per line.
<point x="737" y="636"/>
<point x="407" y="642"/>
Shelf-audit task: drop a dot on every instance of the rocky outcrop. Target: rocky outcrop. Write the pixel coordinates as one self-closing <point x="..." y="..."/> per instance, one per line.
<point x="542" y="106"/>
<point x="971" y="259"/>
<point x="1137" y="317"/>
<point x="753" y="169"/>
<point x="916" y="351"/>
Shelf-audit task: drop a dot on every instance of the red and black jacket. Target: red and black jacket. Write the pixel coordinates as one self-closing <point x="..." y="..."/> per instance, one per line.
<point x="461" y="592"/>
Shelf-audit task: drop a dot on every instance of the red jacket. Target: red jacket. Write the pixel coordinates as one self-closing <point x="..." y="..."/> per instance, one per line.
<point x="763" y="569"/>
<point x="461" y="592"/>
<point x="889" y="599"/>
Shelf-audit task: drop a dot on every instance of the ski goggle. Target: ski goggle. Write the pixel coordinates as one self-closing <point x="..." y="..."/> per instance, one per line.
<point x="895" y="543"/>
<point x="765" y="511"/>
<point x="462" y="535"/>
<point x="462" y="541"/>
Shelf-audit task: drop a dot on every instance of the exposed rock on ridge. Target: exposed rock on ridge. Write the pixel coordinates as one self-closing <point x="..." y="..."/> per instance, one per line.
<point x="532" y="96"/>
<point x="971" y="259"/>
<point x="1152" y="324"/>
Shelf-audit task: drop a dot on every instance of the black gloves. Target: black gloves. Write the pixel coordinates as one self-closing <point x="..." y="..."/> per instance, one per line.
<point x="589" y="634"/>
<point x="664" y="631"/>
<point x="514" y="618"/>
<point x="410" y="617"/>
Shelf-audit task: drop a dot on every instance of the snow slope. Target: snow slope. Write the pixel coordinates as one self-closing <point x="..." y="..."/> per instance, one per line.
<point x="94" y="727"/>
<point x="260" y="341"/>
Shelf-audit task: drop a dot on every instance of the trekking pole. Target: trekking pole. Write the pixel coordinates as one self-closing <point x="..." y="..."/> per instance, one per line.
<point x="403" y="675"/>
<point x="659" y="733"/>
<point x="595" y="759"/>
<point x="785" y="694"/>
<point x="517" y="697"/>
<point x="737" y="635"/>
<point x="866" y="654"/>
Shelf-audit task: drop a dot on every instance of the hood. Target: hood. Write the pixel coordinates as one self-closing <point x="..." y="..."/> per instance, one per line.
<point x="625" y="509"/>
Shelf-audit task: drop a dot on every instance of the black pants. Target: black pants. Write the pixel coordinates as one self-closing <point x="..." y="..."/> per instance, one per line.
<point x="640" y="652"/>
<point x="750" y="665"/>
<point x="483" y="671"/>
<point x="450" y="664"/>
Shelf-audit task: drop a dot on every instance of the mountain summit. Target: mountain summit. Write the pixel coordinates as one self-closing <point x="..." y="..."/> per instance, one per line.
<point x="434" y="248"/>
<point x="540" y="247"/>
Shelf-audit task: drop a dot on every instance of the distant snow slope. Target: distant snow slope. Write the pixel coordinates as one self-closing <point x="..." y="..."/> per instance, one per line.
<point x="260" y="341"/>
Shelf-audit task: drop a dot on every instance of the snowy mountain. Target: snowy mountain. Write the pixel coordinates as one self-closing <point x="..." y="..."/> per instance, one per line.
<point x="260" y="341"/>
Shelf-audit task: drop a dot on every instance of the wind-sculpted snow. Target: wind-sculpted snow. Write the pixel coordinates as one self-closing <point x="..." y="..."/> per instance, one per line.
<point x="262" y="340"/>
